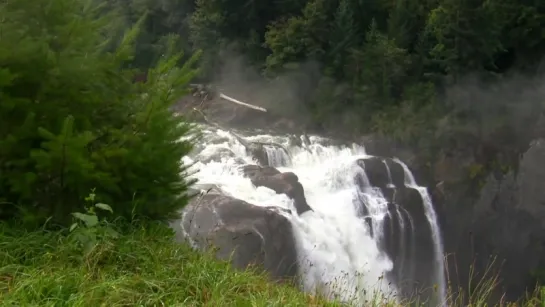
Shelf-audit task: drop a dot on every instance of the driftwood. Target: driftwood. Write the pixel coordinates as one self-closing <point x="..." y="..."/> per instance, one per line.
<point x="208" y="90"/>
<point x="251" y="106"/>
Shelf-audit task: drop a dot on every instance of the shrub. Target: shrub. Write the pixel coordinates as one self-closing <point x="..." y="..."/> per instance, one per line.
<point x="72" y="119"/>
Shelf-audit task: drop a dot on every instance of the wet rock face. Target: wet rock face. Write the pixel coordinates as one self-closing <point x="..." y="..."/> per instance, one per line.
<point x="251" y="235"/>
<point x="258" y="152"/>
<point x="384" y="173"/>
<point x="506" y="222"/>
<point x="377" y="170"/>
<point x="282" y="183"/>
<point x="500" y="227"/>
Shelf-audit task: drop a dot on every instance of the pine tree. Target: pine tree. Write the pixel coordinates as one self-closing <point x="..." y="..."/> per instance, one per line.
<point x="383" y="69"/>
<point x="466" y="35"/>
<point x="72" y="120"/>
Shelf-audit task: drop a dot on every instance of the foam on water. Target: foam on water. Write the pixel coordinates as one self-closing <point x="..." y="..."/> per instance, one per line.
<point x="338" y="256"/>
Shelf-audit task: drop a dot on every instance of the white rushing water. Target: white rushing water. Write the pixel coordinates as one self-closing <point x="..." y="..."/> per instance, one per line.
<point x="338" y="255"/>
<point x="435" y="231"/>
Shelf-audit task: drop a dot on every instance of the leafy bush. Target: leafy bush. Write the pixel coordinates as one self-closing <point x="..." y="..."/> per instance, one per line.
<point x="72" y="119"/>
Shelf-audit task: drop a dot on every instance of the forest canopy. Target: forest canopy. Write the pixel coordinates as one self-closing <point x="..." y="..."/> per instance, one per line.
<point x="382" y="64"/>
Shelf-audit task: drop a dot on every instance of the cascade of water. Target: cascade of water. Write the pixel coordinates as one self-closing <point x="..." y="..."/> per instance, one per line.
<point x="340" y="255"/>
<point x="436" y="231"/>
<point x="406" y="240"/>
<point x="277" y="157"/>
<point x="402" y="237"/>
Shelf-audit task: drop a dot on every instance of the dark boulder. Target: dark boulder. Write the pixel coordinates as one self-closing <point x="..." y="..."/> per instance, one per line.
<point x="258" y="152"/>
<point x="282" y="183"/>
<point x="383" y="173"/>
<point x="418" y="245"/>
<point x="246" y="234"/>
<point x="376" y="170"/>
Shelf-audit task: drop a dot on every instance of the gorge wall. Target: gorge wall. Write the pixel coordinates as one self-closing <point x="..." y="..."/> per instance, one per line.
<point x="501" y="226"/>
<point x="491" y="218"/>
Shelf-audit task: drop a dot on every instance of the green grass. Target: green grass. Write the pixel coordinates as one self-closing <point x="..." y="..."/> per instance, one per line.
<point x="142" y="267"/>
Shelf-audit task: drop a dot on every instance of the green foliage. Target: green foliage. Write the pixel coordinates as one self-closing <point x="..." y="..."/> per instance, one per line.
<point x="143" y="266"/>
<point x="217" y="26"/>
<point x="162" y="18"/>
<point x="466" y="35"/>
<point x="88" y="231"/>
<point x="409" y="122"/>
<point x="383" y="67"/>
<point x="298" y="37"/>
<point x="475" y="170"/>
<point x="71" y="119"/>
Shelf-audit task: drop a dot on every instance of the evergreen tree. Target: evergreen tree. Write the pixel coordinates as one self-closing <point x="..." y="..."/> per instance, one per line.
<point x="72" y="120"/>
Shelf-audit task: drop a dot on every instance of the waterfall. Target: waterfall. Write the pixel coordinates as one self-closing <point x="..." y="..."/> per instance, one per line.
<point x="436" y="232"/>
<point x="340" y="244"/>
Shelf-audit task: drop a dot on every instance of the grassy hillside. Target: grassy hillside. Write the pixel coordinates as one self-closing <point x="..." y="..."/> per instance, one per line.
<point x="142" y="266"/>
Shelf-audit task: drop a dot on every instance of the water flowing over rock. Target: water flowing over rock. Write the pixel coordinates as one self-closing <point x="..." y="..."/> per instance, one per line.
<point x="351" y="224"/>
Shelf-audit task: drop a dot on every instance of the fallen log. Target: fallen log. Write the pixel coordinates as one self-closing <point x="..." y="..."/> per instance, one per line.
<point x="251" y="106"/>
<point x="210" y="90"/>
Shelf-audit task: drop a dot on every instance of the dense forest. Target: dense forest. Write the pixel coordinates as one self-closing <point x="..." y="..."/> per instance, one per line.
<point x="430" y="73"/>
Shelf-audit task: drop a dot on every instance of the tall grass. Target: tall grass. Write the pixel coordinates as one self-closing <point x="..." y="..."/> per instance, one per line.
<point x="140" y="268"/>
<point x="144" y="267"/>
